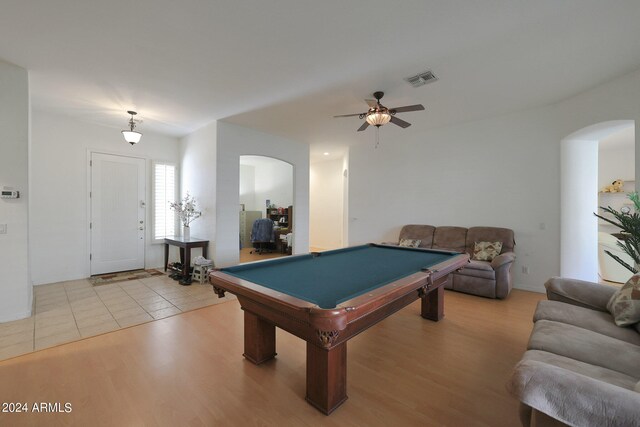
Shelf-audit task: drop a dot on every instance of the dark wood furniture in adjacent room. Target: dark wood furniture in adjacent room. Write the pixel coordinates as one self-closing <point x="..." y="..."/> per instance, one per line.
<point x="326" y="298"/>
<point x="282" y="216"/>
<point x="185" y="246"/>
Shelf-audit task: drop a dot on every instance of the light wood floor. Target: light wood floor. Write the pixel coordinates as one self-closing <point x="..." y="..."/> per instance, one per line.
<point x="247" y="256"/>
<point x="189" y="370"/>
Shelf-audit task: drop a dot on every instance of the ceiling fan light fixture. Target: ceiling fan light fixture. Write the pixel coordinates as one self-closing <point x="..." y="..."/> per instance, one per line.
<point x="378" y="118"/>
<point x="131" y="135"/>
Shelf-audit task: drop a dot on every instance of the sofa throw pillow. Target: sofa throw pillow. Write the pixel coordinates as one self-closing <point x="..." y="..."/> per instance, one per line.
<point x="486" y="251"/>
<point x="410" y="243"/>
<point x="624" y="304"/>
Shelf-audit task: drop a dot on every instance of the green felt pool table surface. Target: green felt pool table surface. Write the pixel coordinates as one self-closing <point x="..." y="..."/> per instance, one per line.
<point x="332" y="277"/>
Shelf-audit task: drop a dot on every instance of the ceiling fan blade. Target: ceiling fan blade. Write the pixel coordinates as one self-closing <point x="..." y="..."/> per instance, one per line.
<point x="348" y="115"/>
<point x="363" y="127"/>
<point x="371" y="102"/>
<point x="417" y="107"/>
<point x="400" y="122"/>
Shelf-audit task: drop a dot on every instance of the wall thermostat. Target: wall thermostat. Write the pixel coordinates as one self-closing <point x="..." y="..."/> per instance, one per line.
<point x="10" y="194"/>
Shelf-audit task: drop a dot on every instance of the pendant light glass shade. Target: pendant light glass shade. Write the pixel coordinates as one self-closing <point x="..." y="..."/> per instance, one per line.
<point x="131" y="136"/>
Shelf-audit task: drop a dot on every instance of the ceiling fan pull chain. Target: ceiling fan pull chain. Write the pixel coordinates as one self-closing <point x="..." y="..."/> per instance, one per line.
<point x="377" y="137"/>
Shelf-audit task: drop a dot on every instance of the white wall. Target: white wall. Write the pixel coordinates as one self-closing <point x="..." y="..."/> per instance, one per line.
<point x="326" y="204"/>
<point x="616" y="162"/>
<point x="265" y="178"/>
<point x="15" y="286"/>
<point x="503" y="171"/>
<point x="59" y="236"/>
<point x="579" y="200"/>
<point x="248" y="188"/>
<point x="274" y="182"/>
<point x="198" y="177"/>
<point x="234" y="141"/>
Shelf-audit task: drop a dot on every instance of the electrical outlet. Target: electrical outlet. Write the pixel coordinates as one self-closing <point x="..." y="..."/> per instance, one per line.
<point x="3" y="228"/>
<point x="525" y="269"/>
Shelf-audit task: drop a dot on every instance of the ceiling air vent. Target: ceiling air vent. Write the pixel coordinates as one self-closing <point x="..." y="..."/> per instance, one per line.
<point x="421" y="79"/>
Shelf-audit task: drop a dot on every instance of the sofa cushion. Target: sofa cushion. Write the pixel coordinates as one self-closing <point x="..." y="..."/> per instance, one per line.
<point x="586" y="346"/>
<point x="410" y="243"/>
<point x="490" y="234"/>
<point x="579" y="292"/>
<point x="572" y="398"/>
<point x="453" y="238"/>
<point x="589" y="370"/>
<point x="424" y="233"/>
<point x="481" y="269"/>
<point x="624" y="305"/>
<point x="486" y="251"/>
<point x="478" y="265"/>
<point x="596" y="321"/>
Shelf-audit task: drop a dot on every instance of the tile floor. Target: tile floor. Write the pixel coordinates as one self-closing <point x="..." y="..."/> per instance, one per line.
<point x="69" y="311"/>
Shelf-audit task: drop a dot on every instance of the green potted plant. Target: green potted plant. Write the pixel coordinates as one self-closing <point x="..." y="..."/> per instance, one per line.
<point x="629" y="224"/>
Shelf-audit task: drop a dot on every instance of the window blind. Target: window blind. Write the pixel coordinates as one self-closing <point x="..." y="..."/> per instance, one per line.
<point x="164" y="223"/>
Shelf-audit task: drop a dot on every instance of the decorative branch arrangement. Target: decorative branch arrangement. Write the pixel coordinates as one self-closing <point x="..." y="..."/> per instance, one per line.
<point x="629" y="223"/>
<point x="186" y="210"/>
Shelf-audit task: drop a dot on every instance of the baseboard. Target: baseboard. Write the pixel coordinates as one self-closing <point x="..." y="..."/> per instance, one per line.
<point x="530" y="288"/>
<point x="15" y="316"/>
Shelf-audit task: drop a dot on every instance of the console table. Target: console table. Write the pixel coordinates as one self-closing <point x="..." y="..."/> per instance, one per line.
<point x="185" y="246"/>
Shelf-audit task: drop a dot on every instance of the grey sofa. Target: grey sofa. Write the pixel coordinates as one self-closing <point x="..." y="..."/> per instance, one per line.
<point x="580" y="369"/>
<point x="488" y="279"/>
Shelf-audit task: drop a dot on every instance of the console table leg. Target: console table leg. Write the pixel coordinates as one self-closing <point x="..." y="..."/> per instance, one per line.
<point x="166" y="256"/>
<point x="259" y="339"/>
<point x="326" y="377"/>
<point x="433" y="304"/>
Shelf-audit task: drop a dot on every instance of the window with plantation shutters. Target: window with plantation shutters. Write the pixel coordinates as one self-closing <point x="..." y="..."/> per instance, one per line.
<point x="164" y="192"/>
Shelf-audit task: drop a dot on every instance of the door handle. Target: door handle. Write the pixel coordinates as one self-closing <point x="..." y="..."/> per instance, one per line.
<point x="141" y="228"/>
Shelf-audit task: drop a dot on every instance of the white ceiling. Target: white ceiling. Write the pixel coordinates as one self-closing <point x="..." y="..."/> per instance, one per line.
<point x="287" y="66"/>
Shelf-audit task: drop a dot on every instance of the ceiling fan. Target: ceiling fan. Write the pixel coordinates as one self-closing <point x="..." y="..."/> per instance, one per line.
<point x="378" y="114"/>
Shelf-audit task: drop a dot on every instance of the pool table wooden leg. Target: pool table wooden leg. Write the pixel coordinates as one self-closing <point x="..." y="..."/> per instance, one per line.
<point x="259" y="339"/>
<point x="326" y="376"/>
<point x="433" y="304"/>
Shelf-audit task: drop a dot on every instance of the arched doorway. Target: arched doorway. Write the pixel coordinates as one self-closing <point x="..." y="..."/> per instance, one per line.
<point x="579" y="199"/>
<point x="265" y="193"/>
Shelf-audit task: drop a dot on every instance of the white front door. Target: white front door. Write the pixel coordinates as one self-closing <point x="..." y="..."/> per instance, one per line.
<point x="117" y="213"/>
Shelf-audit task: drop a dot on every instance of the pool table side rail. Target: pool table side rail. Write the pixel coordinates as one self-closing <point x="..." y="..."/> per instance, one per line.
<point x="238" y="286"/>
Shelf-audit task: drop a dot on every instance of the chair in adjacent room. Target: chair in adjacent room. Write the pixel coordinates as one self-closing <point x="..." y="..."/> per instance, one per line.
<point x="262" y="235"/>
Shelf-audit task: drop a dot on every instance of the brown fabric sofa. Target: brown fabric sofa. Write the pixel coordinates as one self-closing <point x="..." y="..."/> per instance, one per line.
<point x="580" y="369"/>
<point x="488" y="279"/>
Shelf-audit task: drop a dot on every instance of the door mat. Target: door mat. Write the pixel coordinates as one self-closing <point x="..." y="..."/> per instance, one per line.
<point x="123" y="276"/>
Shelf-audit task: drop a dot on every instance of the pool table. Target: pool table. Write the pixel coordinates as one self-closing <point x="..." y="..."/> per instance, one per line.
<point x="326" y="298"/>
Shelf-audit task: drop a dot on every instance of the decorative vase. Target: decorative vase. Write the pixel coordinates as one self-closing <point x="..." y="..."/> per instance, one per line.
<point x="186" y="232"/>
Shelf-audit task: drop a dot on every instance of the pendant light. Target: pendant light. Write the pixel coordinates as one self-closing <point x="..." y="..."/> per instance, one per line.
<point x="131" y="135"/>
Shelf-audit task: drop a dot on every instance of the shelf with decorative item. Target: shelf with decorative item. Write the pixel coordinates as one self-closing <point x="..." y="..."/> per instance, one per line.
<point x="619" y="186"/>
